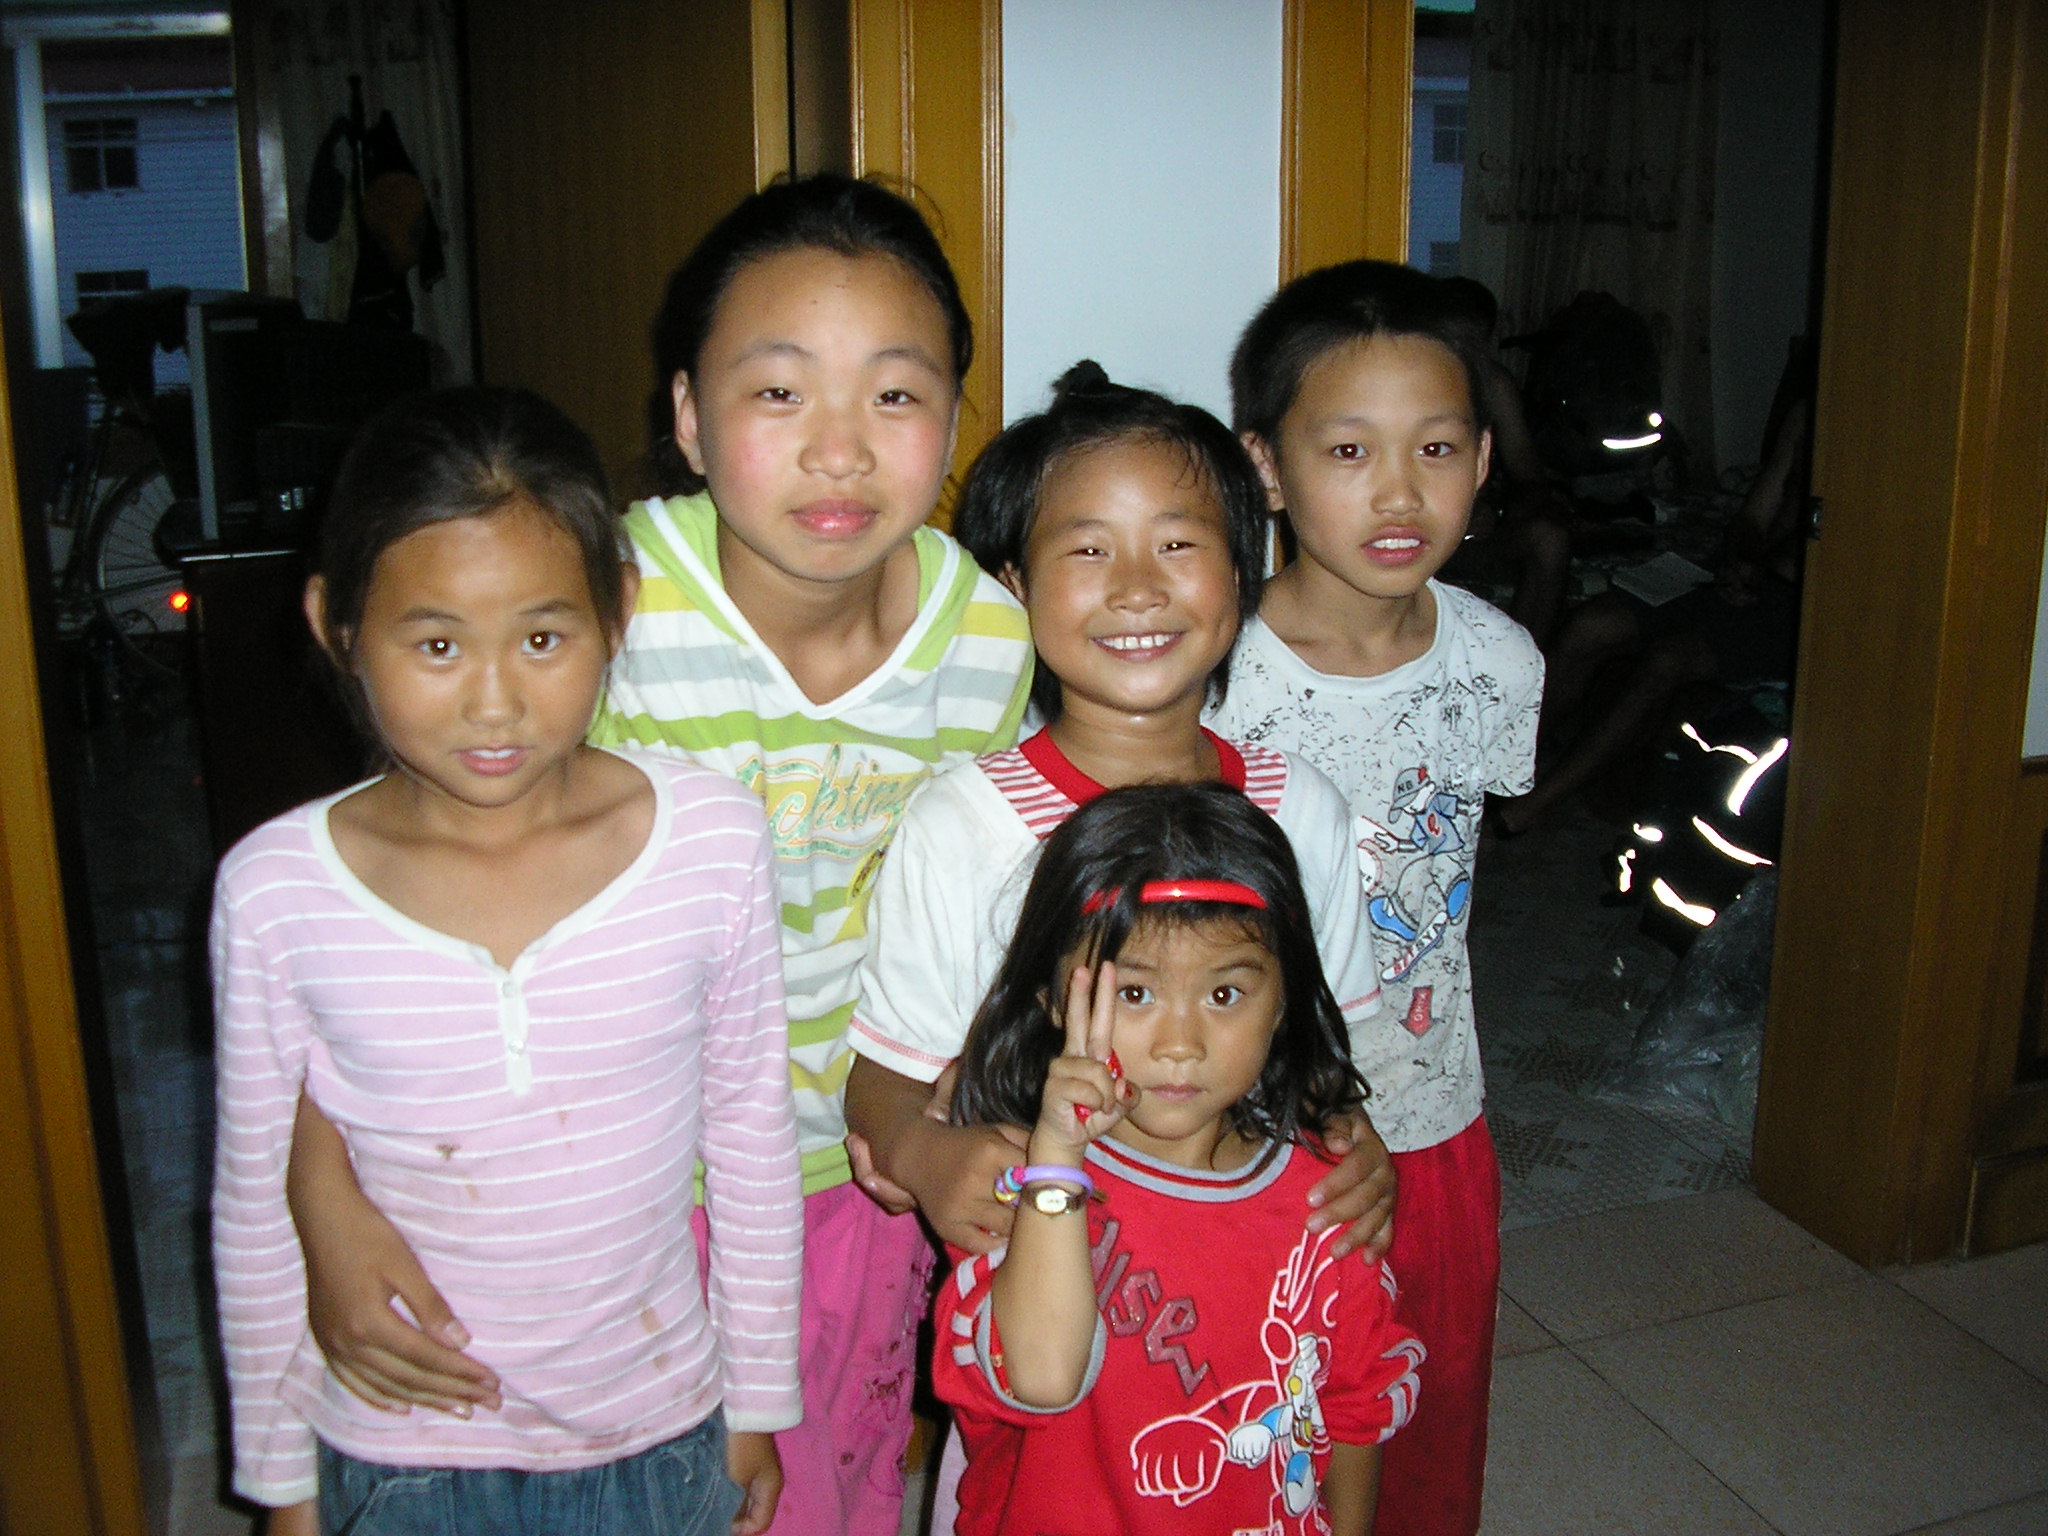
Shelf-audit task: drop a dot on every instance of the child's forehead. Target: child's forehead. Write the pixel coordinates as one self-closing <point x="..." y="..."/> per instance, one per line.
<point x="1137" y="467"/>
<point x="1175" y="936"/>
<point x="1386" y="375"/>
<point x="807" y="279"/>
<point x="495" y="557"/>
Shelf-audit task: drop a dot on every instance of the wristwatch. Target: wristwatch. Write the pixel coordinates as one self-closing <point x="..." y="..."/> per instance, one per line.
<point x="1055" y="1199"/>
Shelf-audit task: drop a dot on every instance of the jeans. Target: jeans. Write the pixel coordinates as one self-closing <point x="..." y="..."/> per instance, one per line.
<point x="677" y="1488"/>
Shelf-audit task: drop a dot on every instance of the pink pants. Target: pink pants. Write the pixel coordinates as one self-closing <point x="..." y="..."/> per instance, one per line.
<point x="867" y="1283"/>
<point x="1446" y="1259"/>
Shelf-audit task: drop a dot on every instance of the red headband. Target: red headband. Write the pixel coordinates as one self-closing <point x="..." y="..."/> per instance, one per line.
<point x="1153" y="892"/>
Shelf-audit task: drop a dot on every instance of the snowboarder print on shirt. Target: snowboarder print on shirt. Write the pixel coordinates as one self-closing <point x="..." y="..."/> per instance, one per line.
<point x="1417" y="867"/>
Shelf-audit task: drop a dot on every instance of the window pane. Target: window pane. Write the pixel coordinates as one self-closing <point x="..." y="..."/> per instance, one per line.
<point x="1448" y="136"/>
<point x="1437" y="126"/>
<point x="118" y="165"/>
<point x="82" y="167"/>
<point x="98" y="285"/>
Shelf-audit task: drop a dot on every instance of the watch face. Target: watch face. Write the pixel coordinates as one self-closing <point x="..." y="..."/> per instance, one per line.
<point x="1051" y="1200"/>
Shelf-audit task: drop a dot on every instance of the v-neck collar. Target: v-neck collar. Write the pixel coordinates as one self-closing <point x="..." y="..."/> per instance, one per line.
<point x="934" y="578"/>
<point x="1043" y="753"/>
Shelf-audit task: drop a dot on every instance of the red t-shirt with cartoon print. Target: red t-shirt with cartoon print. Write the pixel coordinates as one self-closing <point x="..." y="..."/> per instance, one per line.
<point x="1231" y="1351"/>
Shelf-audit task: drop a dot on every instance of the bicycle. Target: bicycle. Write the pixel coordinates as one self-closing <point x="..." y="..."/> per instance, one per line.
<point x="119" y="592"/>
<point x="119" y="573"/>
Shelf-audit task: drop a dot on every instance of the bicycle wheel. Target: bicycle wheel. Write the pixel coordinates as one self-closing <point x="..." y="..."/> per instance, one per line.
<point x="132" y="584"/>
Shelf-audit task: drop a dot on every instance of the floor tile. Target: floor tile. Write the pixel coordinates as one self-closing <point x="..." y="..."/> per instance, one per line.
<point x="1848" y="1411"/>
<point x="1702" y="1132"/>
<point x="1516" y="1332"/>
<point x="2027" y="1517"/>
<point x="1566" y="1455"/>
<point x="1630" y="1268"/>
<point x="2002" y="1299"/>
<point x="1562" y="1155"/>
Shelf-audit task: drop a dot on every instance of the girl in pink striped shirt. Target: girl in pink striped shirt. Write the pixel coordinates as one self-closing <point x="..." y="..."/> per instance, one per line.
<point x="533" y="983"/>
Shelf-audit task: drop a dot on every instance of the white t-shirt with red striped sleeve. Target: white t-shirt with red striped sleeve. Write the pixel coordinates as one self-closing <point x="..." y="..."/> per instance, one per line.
<point x="946" y="902"/>
<point x="530" y="1129"/>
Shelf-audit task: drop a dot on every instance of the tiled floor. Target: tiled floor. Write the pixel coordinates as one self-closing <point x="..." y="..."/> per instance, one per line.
<point x="150" y="868"/>
<point x="1674" y="1356"/>
<point x="1702" y="1365"/>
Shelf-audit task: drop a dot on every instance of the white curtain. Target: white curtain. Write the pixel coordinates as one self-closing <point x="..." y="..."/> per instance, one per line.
<point x="406" y="54"/>
<point x="1590" y="165"/>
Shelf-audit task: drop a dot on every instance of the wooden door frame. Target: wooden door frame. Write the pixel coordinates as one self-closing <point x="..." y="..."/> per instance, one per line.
<point x="1348" y="78"/>
<point x="927" y="98"/>
<point x="70" y="1460"/>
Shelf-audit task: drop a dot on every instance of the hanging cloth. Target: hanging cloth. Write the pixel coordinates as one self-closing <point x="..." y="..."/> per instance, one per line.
<point x="365" y="197"/>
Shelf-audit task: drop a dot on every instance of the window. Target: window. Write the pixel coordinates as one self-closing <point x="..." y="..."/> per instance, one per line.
<point x="1447" y="133"/>
<point x="1443" y="258"/>
<point x="101" y="285"/>
<point x="99" y="153"/>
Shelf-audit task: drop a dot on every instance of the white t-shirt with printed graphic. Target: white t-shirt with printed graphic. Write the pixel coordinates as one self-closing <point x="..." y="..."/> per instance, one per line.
<point x="946" y="902"/>
<point x="1415" y="751"/>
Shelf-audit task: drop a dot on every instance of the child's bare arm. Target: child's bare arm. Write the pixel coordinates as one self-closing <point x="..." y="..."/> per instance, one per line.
<point x="1359" y="1191"/>
<point x="294" y="1520"/>
<point x="1043" y="1296"/>
<point x="1351" y="1489"/>
<point x="752" y="1461"/>
<point x="356" y="1263"/>
<point x="949" y="1170"/>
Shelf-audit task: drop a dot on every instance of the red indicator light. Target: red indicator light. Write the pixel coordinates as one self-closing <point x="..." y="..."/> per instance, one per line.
<point x="180" y="601"/>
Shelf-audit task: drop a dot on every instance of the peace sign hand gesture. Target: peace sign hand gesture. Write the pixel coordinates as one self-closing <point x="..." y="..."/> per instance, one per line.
<point x="1086" y="1093"/>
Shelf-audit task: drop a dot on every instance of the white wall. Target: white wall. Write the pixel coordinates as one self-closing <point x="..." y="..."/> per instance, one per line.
<point x="1767" y="157"/>
<point x="1141" y="189"/>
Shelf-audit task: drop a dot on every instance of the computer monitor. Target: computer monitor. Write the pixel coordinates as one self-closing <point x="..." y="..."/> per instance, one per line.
<point x="276" y="398"/>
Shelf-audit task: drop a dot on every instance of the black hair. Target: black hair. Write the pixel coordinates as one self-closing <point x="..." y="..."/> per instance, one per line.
<point x="998" y="503"/>
<point x="450" y="454"/>
<point x="827" y="211"/>
<point x="1116" y="843"/>
<point x="1332" y="307"/>
<point x="1473" y="302"/>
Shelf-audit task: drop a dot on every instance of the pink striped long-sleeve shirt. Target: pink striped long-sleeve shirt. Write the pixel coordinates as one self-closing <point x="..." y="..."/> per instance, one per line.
<point x="532" y="1131"/>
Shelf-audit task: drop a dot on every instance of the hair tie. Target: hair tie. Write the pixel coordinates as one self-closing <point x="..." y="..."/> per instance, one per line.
<point x="1084" y="378"/>
<point x="1153" y="892"/>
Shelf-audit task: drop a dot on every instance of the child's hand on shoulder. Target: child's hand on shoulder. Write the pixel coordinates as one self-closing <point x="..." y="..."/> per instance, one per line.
<point x="1357" y="1194"/>
<point x="1086" y="1092"/>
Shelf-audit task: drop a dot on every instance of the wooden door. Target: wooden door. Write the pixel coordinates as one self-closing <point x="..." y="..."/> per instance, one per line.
<point x="1900" y="1116"/>
<point x="604" y="141"/>
<point x="68" y="1458"/>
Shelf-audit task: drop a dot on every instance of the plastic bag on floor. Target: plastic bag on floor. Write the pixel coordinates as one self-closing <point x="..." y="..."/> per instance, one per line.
<point x="1701" y="1043"/>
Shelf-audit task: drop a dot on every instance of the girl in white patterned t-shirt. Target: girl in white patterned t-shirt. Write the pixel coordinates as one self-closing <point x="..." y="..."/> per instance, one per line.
<point x="1353" y="388"/>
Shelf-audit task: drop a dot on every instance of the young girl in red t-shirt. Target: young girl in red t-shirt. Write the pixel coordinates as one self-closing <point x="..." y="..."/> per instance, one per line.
<point x="1162" y="1023"/>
